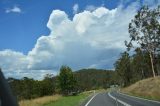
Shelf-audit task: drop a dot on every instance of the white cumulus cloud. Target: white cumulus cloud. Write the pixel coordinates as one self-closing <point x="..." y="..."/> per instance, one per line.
<point x="91" y="39"/>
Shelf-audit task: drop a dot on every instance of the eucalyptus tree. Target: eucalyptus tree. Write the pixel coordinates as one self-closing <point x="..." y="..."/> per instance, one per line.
<point x="144" y="32"/>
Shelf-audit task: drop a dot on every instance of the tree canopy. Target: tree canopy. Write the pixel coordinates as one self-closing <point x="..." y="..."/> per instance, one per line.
<point x="67" y="81"/>
<point x="144" y="30"/>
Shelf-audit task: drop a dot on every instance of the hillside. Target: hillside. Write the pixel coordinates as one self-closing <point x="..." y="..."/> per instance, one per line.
<point x="94" y="78"/>
<point x="147" y="88"/>
<point x="87" y="79"/>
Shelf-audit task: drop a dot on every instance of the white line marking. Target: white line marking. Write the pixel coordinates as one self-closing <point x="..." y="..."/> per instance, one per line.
<point x="90" y="100"/>
<point x="139" y="98"/>
<point x="124" y="103"/>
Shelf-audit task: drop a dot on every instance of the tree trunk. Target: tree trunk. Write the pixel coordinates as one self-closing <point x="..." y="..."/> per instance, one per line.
<point x="142" y="74"/>
<point x="153" y="72"/>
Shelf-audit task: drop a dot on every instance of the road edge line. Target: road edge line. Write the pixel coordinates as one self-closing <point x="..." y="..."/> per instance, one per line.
<point x="120" y="101"/>
<point x="139" y="97"/>
<point x="91" y="99"/>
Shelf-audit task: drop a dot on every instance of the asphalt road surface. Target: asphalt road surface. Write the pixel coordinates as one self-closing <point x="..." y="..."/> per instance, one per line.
<point x="118" y="99"/>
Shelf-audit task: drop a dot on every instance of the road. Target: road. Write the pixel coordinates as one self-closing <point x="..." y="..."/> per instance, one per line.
<point x="118" y="99"/>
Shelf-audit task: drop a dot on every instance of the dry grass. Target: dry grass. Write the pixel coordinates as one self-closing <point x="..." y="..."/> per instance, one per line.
<point x="39" y="101"/>
<point x="58" y="100"/>
<point x="147" y="88"/>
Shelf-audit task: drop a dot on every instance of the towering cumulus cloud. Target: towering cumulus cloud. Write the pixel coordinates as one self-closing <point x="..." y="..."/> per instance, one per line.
<point x="91" y="39"/>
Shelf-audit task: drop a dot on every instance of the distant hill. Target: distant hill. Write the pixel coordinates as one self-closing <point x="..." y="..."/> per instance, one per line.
<point x="147" y="88"/>
<point x="88" y="79"/>
<point x="94" y="78"/>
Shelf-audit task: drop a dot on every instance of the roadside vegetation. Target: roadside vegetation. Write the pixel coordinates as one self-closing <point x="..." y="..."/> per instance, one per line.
<point x="66" y="83"/>
<point x="57" y="100"/>
<point x="144" y="61"/>
<point x="70" y="87"/>
<point x="41" y="101"/>
<point x="147" y="88"/>
<point x="70" y="100"/>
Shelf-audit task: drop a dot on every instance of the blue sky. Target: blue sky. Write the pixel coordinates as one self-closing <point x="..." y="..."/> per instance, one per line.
<point x="20" y="31"/>
<point x="39" y="36"/>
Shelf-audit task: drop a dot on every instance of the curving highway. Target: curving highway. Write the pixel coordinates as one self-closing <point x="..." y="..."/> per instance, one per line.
<point x="119" y="99"/>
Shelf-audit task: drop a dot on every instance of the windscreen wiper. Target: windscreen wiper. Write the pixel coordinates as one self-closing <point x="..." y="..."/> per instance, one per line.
<point x="6" y="95"/>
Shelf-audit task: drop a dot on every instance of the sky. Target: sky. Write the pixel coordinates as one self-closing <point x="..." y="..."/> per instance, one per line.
<point x="39" y="36"/>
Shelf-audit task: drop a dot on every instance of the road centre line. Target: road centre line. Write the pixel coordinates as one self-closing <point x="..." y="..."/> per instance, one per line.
<point x="122" y="102"/>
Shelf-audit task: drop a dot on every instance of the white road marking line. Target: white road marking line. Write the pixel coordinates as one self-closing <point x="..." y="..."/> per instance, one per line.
<point x="91" y="100"/>
<point x="139" y="98"/>
<point x="124" y="103"/>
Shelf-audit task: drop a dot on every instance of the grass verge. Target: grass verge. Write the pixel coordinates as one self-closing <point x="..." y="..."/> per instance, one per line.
<point x="147" y="88"/>
<point x="40" y="101"/>
<point x="58" y="100"/>
<point x="144" y="96"/>
<point x="69" y="100"/>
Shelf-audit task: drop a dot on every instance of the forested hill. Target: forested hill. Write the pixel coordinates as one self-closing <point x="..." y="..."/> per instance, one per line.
<point x="86" y="79"/>
<point x="94" y="78"/>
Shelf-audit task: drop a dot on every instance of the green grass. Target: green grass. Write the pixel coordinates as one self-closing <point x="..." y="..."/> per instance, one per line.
<point x="69" y="100"/>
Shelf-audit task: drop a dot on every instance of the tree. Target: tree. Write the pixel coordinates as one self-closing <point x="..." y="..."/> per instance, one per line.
<point x="28" y="88"/>
<point x="140" y="64"/>
<point x="47" y="85"/>
<point x="67" y="81"/>
<point x="122" y="67"/>
<point x="137" y="64"/>
<point x="144" y="29"/>
<point x="91" y="78"/>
